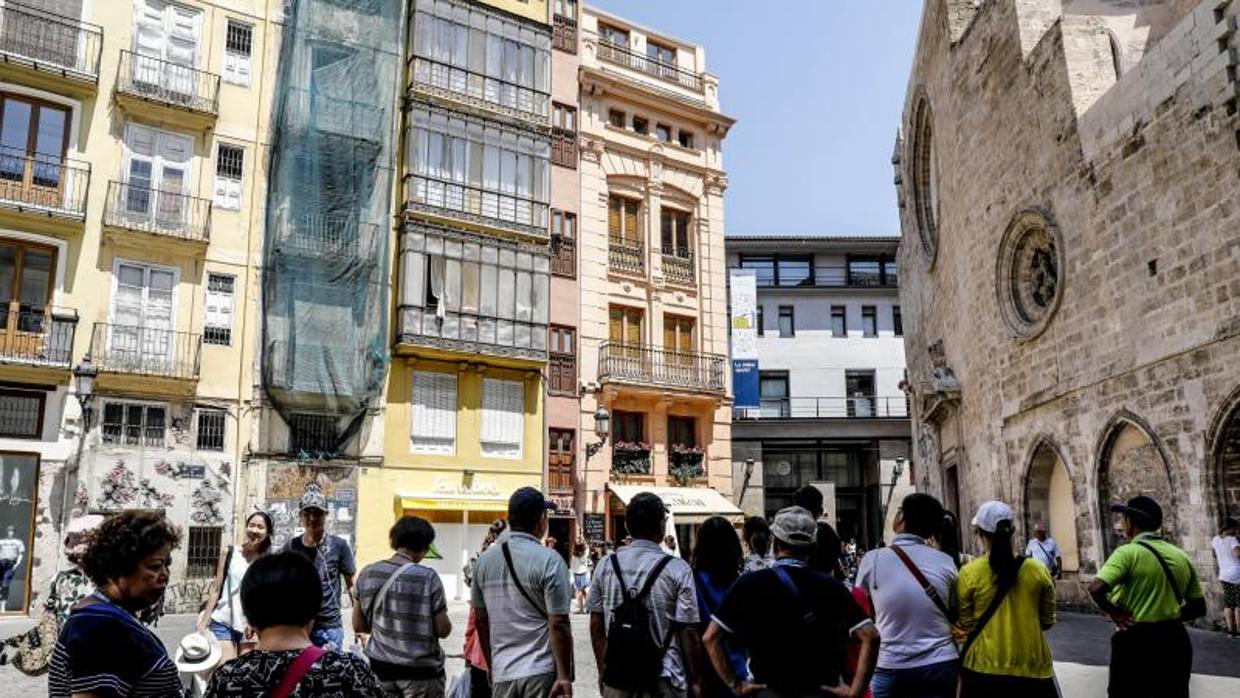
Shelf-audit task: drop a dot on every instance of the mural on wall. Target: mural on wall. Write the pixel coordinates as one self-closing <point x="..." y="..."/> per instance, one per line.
<point x="286" y="483"/>
<point x="19" y="474"/>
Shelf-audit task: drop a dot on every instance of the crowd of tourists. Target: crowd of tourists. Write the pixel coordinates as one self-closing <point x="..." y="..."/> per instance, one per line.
<point x="759" y="611"/>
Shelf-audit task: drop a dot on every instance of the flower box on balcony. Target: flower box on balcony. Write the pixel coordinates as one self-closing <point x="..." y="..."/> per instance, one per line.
<point x="630" y="458"/>
<point x="684" y="463"/>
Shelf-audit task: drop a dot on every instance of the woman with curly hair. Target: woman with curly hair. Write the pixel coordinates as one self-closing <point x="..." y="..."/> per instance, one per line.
<point x="222" y="615"/>
<point x="103" y="649"/>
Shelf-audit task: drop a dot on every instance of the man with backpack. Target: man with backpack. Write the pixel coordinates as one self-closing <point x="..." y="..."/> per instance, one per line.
<point x="644" y="613"/>
<point x="1045" y="550"/>
<point x="1149" y="588"/>
<point x="794" y="623"/>
<point x="521" y="597"/>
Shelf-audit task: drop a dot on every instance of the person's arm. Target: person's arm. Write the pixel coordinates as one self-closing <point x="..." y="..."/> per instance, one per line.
<point x="965" y="602"/>
<point x="360" y="625"/>
<point x="598" y="642"/>
<point x="1194" y="598"/>
<point x="1046" y="606"/>
<point x="213" y="597"/>
<point x="562" y="650"/>
<point x="348" y="568"/>
<point x="691" y="650"/>
<point x="442" y="624"/>
<point x="482" y="623"/>
<point x="1114" y="571"/>
<point x="867" y="657"/>
<point x="718" y="655"/>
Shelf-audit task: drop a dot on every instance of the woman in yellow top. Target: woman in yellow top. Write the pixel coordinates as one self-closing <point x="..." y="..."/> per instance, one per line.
<point x="1005" y="654"/>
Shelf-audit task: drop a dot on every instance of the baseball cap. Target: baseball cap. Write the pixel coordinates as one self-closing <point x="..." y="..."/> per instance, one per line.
<point x="313" y="499"/>
<point x="1144" y="509"/>
<point x="990" y="514"/>
<point x="526" y="506"/>
<point x="795" y="526"/>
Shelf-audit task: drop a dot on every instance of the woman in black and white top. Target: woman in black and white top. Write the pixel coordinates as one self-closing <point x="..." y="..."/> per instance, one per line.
<point x="222" y="616"/>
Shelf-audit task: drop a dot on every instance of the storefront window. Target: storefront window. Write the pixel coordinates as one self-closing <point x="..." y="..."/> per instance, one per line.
<point x="19" y="474"/>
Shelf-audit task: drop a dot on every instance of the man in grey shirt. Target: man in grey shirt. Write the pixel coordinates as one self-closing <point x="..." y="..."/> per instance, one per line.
<point x="522" y="597"/>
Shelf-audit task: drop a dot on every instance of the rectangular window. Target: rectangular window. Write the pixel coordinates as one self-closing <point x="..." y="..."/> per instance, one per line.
<point x="563" y="224"/>
<point x="625" y="326"/>
<point x="503" y="418"/>
<point x="839" y="322"/>
<point x="229" y="166"/>
<point x="686" y="139"/>
<point x="773" y="393"/>
<point x="616" y="118"/>
<point x="859" y="389"/>
<point x="564" y="136"/>
<point x="217" y="324"/>
<point x="563" y="243"/>
<point x="156" y="172"/>
<point x="28" y="276"/>
<point x="641" y="125"/>
<point x="614" y="36"/>
<point x="566" y="9"/>
<point x="869" y="321"/>
<point x="622" y="221"/>
<point x="628" y="427"/>
<point x="781" y="270"/>
<point x="865" y="271"/>
<point x="21" y="414"/>
<point x="203" y="551"/>
<point x="897" y="321"/>
<point x="210" y="429"/>
<point x="678" y="334"/>
<point x="761" y="321"/>
<point x="434" y="413"/>
<point x="312" y="434"/>
<point x="787" y="322"/>
<point x="238" y="47"/>
<point x="663" y="132"/>
<point x="674" y="228"/>
<point x="134" y="424"/>
<point x="681" y="431"/>
<point x="560" y="457"/>
<point x="562" y="367"/>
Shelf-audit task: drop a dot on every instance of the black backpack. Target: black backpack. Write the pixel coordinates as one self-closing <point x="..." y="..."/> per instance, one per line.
<point x="634" y="658"/>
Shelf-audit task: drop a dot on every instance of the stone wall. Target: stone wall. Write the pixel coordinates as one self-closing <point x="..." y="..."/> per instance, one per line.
<point x="1114" y="333"/>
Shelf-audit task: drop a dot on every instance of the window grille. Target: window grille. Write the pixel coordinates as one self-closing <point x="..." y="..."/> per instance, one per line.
<point x="211" y="430"/>
<point x="21" y="414"/>
<point x="203" y="551"/>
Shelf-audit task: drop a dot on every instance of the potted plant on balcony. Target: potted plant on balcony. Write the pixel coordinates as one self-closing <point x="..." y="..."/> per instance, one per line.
<point x="630" y="458"/>
<point x="685" y="463"/>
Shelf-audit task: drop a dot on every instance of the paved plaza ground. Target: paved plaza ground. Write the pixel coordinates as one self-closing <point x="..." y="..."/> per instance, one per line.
<point x="1081" y="644"/>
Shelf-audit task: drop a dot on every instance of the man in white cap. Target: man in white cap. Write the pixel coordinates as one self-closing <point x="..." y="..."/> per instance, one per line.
<point x="796" y="623"/>
<point x="1044" y="549"/>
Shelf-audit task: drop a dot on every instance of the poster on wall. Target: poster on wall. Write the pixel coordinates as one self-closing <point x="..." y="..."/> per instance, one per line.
<point x="743" y="284"/>
<point x="286" y="483"/>
<point x="19" y="475"/>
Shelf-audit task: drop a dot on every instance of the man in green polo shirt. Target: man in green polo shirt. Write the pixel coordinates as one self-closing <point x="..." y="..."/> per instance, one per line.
<point x="1149" y="588"/>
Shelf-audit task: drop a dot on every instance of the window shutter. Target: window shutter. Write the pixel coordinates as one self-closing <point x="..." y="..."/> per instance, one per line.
<point x="630" y="222"/>
<point x="503" y="418"/>
<point x="613" y="218"/>
<point x="434" y="413"/>
<point x="218" y="320"/>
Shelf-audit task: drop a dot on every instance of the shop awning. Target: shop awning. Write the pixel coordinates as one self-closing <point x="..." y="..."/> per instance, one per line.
<point x="688" y="505"/>
<point x="433" y="501"/>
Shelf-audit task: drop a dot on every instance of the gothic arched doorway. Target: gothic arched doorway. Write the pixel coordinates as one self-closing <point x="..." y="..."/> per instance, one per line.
<point x="1132" y="463"/>
<point x="1227" y="459"/>
<point x="1049" y="500"/>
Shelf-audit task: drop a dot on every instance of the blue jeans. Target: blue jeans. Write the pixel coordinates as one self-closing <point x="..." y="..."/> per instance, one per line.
<point x="929" y="681"/>
<point x="224" y="633"/>
<point x="328" y="638"/>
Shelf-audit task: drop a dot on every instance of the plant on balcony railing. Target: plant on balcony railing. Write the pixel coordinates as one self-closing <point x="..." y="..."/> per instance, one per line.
<point x="630" y="458"/>
<point x="684" y="463"/>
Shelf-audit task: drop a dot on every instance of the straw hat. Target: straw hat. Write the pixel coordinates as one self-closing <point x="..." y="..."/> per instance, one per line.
<point x="197" y="653"/>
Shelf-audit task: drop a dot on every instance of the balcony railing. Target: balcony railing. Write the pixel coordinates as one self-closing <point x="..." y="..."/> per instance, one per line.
<point x="662" y="367"/>
<point x="50" y="42"/>
<point x="169" y="213"/>
<point x="825" y="277"/>
<point x="625" y="256"/>
<point x="329" y="236"/>
<point x="487" y="207"/>
<point x="564" y="34"/>
<point x="678" y="267"/>
<point x="829" y="408"/>
<point x="482" y="90"/>
<point x="169" y="83"/>
<point x="312" y="111"/>
<point x="667" y="72"/>
<point x="562" y="374"/>
<point x="563" y="256"/>
<point x="630" y="459"/>
<point x="45" y="183"/>
<point x="147" y="351"/>
<point x="38" y="336"/>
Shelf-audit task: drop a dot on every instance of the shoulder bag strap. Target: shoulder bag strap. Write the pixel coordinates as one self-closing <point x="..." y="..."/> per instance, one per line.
<point x="654" y="576"/>
<point x="512" y="570"/>
<point x="297" y="671"/>
<point x="624" y="587"/>
<point x="1175" y="589"/>
<point x="921" y="579"/>
<point x="228" y="583"/>
<point x="382" y="594"/>
<point x="989" y="613"/>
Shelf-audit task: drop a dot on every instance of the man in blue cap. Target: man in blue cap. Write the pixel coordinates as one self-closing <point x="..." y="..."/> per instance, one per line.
<point x="1149" y="588"/>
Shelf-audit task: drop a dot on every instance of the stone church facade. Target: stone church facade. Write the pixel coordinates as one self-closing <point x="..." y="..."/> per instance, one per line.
<point x="1069" y="183"/>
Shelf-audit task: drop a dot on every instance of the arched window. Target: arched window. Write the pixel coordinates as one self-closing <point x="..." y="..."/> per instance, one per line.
<point x="924" y="178"/>
<point x="1117" y="54"/>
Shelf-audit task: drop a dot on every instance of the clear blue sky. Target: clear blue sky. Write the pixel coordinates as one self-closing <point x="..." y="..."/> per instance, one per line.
<point x="817" y="87"/>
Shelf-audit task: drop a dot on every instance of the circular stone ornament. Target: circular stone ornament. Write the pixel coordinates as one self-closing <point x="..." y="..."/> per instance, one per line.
<point x="1029" y="274"/>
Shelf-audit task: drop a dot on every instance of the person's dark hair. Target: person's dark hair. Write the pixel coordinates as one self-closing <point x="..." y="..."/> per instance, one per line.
<point x="644" y="517"/>
<point x="525" y="509"/>
<point x="123" y="541"/>
<point x="825" y="552"/>
<point x="412" y="533"/>
<point x="809" y="497"/>
<point x="1230" y="524"/>
<point x="949" y="537"/>
<point x="757" y="534"/>
<point x="923" y="515"/>
<point x="1002" y="557"/>
<point x="497" y="529"/>
<point x="264" y="545"/>
<point x="579" y="549"/>
<point x="717" y="550"/>
<point x="799" y="552"/>
<point x="281" y="589"/>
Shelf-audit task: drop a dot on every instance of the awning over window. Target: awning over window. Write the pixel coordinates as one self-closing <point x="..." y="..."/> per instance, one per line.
<point x="688" y="505"/>
<point x="431" y="501"/>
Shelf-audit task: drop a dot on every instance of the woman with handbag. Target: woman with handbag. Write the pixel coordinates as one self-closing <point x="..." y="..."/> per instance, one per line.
<point x="280" y="595"/>
<point x="1004" y="608"/>
<point x="222" y="616"/>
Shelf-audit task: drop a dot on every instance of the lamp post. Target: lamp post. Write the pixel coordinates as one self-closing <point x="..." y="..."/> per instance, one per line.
<point x="602" y="428"/>
<point x="745" y="484"/>
<point x="896" y="472"/>
<point x="84" y="375"/>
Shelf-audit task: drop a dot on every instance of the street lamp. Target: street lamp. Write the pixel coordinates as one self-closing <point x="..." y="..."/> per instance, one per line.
<point x="896" y="472"/>
<point x="84" y="384"/>
<point x="602" y="427"/>
<point x="84" y="380"/>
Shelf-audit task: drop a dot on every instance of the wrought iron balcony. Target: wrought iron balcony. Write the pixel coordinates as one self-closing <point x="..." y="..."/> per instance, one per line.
<point x="48" y="42"/>
<point x="325" y="236"/>
<point x="311" y="111"/>
<point x="621" y="55"/>
<point x="475" y="204"/>
<point x="146" y="351"/>
<point x="829" y="408"/>
<point x="628" y="458"/>
<point x="625" y="256"/>
<point x="45" y="184"/>
<point x="563" y="256"/>
<point x="168" y="83"/>
<point x="564" y="34"/>
<point x="479" y="90"/>
<point x="166" y="213"/>
<point x="678" y="267"/>
<point x="38" y="336"/>
<point x="655" y="366"/>
<point x="824" y="277"/>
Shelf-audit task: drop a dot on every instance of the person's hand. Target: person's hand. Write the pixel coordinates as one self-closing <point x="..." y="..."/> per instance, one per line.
<point x="250" y="632"/>
<point x="203" y="622"/>
<point x="562" y="688"/>
<point x="842" y="692"/>
<point x="1122" y="618"/>
<point x="695" y="690"/>
<point x="745" y="688"/>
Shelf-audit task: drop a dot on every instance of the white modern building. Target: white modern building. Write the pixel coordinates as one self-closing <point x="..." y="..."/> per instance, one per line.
<point x="831" y="360"/>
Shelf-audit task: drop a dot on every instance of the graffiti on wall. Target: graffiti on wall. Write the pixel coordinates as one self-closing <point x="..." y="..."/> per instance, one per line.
<point x="286" y="483"/>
